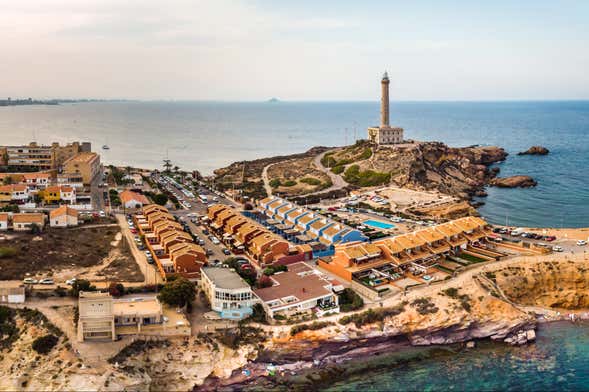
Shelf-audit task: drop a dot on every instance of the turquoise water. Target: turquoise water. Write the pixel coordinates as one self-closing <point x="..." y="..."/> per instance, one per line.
<point x="209" y="135"/>
<point x="559" y="360"/>
<point x="378" y="224"/>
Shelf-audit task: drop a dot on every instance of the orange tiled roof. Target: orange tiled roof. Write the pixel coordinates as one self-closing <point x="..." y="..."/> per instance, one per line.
<point x="64" y="210"/>
<point x="127" y="196"/>
<point x="29" y="218"/>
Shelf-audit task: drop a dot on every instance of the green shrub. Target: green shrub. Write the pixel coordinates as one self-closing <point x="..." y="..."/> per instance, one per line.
<point x="311" y="181"/>
<point x="372" y="315"/>
<point x="275" y="183"/>
<point x="424" y="306"/>
<point x="451" y="292"/>
<point x="309" y="327"/>
<point x="367" y="153"/>
<point x="289" y="183"/>
<point x="6" y="252"/>
<point x="366" y="178"/>
<point x="349" y="300"/>
<point x="44" y="344"/>
<point x="339" y="169"/>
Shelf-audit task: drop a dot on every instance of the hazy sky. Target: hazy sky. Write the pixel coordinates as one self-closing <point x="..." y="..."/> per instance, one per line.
<point x="294" y="50"/>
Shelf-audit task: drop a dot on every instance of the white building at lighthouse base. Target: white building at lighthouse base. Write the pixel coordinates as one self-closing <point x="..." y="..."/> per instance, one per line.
<point x="385" y="135"/>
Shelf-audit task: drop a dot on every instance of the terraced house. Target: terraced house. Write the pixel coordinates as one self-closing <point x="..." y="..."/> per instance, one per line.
<point x="59" y="194"/>
<point x="305" y="226"/>
<point x="14" y="193"/>
<point x="173" y="250"/>
<point x="246" y="235"/>
<point x="417" y="254"/>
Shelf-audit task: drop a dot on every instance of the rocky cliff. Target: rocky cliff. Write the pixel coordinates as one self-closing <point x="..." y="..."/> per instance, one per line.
<point x="552" y="284"/>
<point x="460" y="172"/>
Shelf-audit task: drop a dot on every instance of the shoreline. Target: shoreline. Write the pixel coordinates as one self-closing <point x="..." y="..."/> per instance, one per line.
<point x="327" y="372"/>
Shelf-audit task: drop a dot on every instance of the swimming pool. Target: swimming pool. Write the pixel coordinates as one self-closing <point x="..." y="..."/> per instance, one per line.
<point x="378" y="224"/>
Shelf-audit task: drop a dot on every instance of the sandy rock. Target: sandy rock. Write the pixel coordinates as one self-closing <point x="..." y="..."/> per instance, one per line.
<point x="513" y="182"/>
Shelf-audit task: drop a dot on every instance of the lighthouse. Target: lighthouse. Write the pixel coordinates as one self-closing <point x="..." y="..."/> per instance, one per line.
<point x="384" y="133"/>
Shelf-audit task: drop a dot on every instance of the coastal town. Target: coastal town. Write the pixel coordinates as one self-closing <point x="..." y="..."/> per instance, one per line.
<point x="122" y="262"/>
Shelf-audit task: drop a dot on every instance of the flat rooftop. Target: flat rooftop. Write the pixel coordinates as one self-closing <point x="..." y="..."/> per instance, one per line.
<point x="83" y="157"/>
<point x="136" y="305"/>
<point x="225" y="278"/>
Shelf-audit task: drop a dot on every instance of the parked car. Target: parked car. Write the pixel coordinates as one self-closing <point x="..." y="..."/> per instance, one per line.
<point x="30" y="281"/>
<point x="557" y="248"/>
<point x="70" y="282"/>
<point x="226" y="251"/>
<point x="581" y="243"/>
<point x="46" y="281"/>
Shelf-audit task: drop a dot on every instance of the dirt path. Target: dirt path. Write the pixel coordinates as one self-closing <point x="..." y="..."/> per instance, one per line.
<point x="266" y="180"/>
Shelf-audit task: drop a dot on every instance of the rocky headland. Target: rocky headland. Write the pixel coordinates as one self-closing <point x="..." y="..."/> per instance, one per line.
<point x="461" y="172"/>
<point x="535" y="150"/>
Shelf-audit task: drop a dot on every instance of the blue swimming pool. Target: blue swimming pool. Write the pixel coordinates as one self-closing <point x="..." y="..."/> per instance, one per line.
<point x="378" y="224"/>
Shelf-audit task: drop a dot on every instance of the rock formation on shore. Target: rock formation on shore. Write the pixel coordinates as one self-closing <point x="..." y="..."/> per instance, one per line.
<point x="535" y="150"/>
<point x="513" y="182"/>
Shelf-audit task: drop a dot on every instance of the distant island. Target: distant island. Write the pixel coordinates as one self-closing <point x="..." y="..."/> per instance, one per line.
<point x="273" y="100"/>
<point x="30" y="101"/>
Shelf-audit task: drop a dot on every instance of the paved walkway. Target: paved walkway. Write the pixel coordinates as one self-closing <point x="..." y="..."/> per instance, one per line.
<point x="337" y="181"/>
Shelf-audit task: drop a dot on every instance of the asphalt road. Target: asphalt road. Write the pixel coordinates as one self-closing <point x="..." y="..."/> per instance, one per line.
<point x="198" y="207"/>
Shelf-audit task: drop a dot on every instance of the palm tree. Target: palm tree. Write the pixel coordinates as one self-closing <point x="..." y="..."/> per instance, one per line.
<point x="167" y="165"/>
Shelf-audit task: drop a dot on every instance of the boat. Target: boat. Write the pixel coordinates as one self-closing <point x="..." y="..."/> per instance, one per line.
<point x="105" y="147"/>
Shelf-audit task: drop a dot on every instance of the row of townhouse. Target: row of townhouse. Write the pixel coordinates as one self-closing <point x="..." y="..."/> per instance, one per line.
<point x="22" y="193"/>
<point x="301" y="289"/>
<point x="244" y="234"/>
<point x="306" y="226"/>
<point x="38" y="181"/>
<point x="173" y="250"/>
<point x="421" y="250"/>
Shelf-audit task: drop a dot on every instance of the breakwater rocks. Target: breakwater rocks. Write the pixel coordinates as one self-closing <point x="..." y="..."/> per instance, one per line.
<point x="535" y="150"/>
<point x="513" y="182"/>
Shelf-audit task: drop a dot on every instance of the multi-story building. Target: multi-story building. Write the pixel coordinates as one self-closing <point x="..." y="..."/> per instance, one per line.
<point x="96" y="317"/>
<point x="104" y="318"/>
<point x="228" y="294"/>
<point x="40" y="157"/>
<point x="85" y="164"/>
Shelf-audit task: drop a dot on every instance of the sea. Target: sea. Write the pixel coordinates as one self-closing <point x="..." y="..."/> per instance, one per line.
<point x="557" y="361"/>
<point x="209" y="135"/>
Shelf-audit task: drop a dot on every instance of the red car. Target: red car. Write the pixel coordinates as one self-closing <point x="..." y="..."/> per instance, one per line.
<point x="549" y="238"/>
<point x="134" y="231"/>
